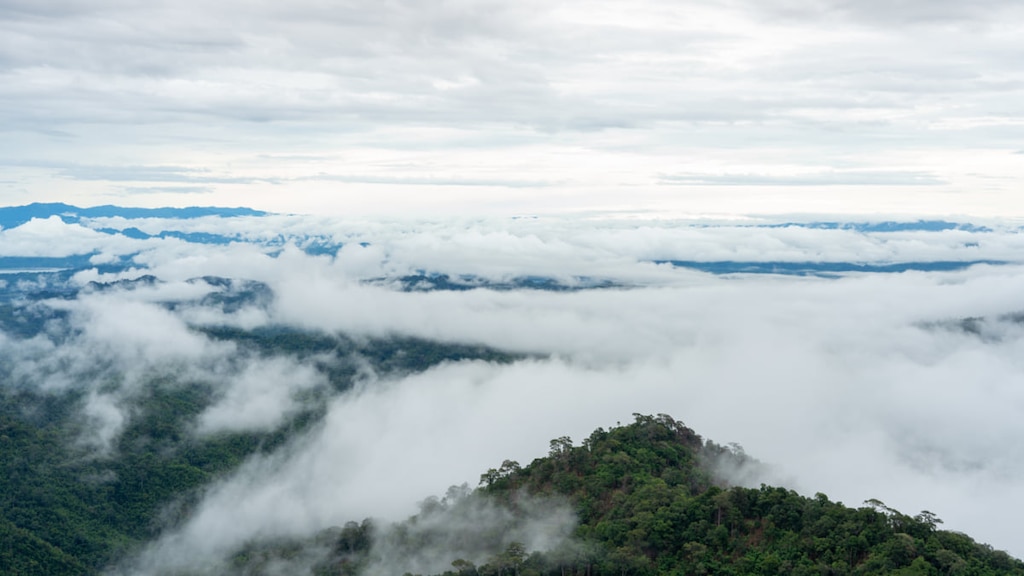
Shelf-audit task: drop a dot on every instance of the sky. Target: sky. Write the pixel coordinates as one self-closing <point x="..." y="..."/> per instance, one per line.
<point x="457" y="107"/>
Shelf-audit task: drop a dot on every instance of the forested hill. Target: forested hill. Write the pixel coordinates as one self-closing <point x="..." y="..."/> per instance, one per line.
<point x="647" y="498"/>
<point x="648" y="502"/>
<point x="646" y="494"/>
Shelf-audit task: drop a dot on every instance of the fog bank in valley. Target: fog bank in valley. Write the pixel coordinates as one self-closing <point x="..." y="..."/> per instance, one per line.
<point x="903" y="387"/>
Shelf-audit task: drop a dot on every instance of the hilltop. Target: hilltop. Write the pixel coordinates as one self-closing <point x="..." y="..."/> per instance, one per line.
<point x="650" y="497"/>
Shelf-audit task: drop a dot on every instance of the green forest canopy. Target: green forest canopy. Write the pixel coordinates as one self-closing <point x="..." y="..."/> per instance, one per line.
<point x="646" y="497"/>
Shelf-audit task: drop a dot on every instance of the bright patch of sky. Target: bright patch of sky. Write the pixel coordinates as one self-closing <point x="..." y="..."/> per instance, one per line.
<point x="656" y="107"/>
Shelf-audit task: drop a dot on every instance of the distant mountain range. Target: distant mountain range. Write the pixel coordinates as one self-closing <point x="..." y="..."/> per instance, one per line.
<point x="38" y="275"/>
<point x="14" y="216"/>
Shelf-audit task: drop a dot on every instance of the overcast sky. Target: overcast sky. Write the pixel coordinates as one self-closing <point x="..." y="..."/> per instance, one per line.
<point x="678" y="107"/>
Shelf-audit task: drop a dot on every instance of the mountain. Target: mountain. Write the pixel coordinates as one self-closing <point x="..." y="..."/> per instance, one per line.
<point x="64" y="509"/>
<point x="14" y="216"/>
<point x="218" y="392"/>
<point x="647" y="498"/>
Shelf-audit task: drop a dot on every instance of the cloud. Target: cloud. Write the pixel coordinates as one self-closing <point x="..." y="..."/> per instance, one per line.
<point x="137" y="332"/>
<point x="622" y="251"/>
<point x="105" y="421"/>
<point x="110" y="347"/>
<point x="863" y="386"/>
<point x="167" y="189"/>
<point x="430" y="181"/>
<point x="918" y="12"/>
<point x="586" y="100"/>
<point x="130" y="173"/>
<point x="814" y="407"/>
<point x="260" y="397"/>
<point x="841" y="389"/>
<point x="36" y="238"/>
<point x="473" y="529"/>
<point x="816" y="179"/>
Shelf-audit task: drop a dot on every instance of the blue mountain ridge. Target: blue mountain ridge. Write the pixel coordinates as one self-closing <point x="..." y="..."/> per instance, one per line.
<point x="14" y="216"/>
<point x="46" y="276"/>
<point x="824" y="269"/>
<point x="886" y="226"/>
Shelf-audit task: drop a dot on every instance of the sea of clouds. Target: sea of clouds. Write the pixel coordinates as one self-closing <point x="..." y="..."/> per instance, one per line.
<point x="855" y="385"/>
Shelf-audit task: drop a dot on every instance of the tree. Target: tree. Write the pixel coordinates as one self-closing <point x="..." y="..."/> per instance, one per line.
<point x="514" y="556"/>
<point x="560" y="446"/>
<point x="464" y="567"/>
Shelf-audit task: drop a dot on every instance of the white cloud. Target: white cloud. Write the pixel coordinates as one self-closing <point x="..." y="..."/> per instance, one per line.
<point x="104" y="421"/>
<point x="259" y="398"/>
<point x="138" y="333"/>
<point x="860" y="387"/>
<point x="36" y="238"/>
<point x="834" y="382"/>
<point x="382" y="108"/>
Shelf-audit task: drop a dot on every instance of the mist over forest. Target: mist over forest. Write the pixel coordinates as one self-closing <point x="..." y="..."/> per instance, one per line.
<point x="198" y="381"/>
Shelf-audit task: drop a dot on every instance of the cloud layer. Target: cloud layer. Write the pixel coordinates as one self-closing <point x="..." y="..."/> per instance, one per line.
<point x="897" y="386"/>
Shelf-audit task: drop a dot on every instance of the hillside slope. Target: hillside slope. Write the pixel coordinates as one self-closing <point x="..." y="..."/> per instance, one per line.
<point x="648" y="498"/>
